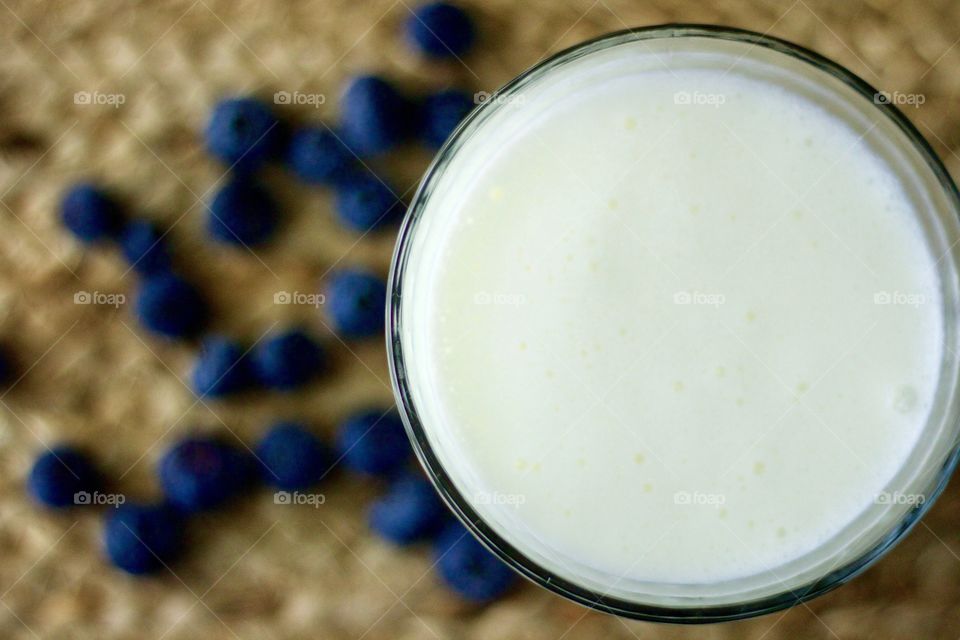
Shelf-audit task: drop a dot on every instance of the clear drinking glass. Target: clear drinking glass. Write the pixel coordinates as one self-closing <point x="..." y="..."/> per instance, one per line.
<point x="864" y="540"/>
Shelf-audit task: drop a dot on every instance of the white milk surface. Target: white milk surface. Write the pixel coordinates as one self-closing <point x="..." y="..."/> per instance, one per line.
<point x="680" y="325"/>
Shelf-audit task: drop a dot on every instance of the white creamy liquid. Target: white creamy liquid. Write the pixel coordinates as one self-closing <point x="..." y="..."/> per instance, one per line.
<point x="674" y="320"/>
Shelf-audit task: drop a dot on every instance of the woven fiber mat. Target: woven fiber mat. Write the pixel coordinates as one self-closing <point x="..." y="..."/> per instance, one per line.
<point x="259" y="569"/>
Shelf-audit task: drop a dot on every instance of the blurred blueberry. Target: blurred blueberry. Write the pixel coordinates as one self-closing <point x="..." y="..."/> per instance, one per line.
<point x="375" y="117"/>
<point x="441" y="113"/>
<point x="142" y="538"/>
<point x="440" y="30"/>
<point x="221" y="368"/>
<point x="288" y="360"/>
<point x="202" y="473"/>
<point x="410" y="511"/>
<point x="356" y="303"/>
<point x="170" y="306"/>
<point x="242" y="213"/>
<point x="144" y="247"/>
<point x="59" y="474"/>
<point x="374" y="443"/>
<point x="468" y="568"/>
<point x="242" y="133"/>
<point x="292" y="458"/>
<point x="364" y="202"/>
<point x="317" y="156"/>
<point x="91" y="214"/>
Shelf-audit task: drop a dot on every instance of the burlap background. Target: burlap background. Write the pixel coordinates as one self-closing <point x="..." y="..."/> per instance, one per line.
<point x="261" y="570"/>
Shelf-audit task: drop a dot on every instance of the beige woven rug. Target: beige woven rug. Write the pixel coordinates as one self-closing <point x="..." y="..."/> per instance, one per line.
<point x="262" y="570"/>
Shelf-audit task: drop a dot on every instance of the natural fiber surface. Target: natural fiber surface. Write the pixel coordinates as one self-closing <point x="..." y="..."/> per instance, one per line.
<point x="262" y="570"/>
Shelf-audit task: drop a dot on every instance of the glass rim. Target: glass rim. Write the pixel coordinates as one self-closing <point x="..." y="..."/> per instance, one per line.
<point x="460" y="504"/>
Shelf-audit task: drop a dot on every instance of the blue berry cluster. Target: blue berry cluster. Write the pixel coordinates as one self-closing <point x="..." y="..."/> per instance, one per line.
<point x="166" y="304"/>
<point x="201" y="472"/>
<point x="245" y="134"/>
<point x="196" y="474"/>
<point x="375" y="118"/>
<point x="281" y="361"/>
<point x="373" y="443"/>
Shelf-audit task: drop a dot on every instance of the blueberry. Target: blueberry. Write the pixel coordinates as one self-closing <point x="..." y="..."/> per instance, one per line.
<point x="364" y="202"/>
<point x="144" y="247"/>
<point x="90" y="214"/>
<point x="410" y="511"/>
<point x="318" y="156"/>
<point x="375" y="117"/>
<point x="356" y="303"/>
<point x="242" y="213"/>
<point x="203" y="473"/>
<point x="242" y="132"/>
<point x="221" y="369"/>
<point x="141" y="538"/>
<point x="440" y="30"/>
<point x="292" y="458"/>
<point x="373" y="443"/>
<point x="441" y="114"/>
<point x="468" y="568"/>
<point x="170" y="306"/>
<point x="61" y="473"/>
<point x="288" y="360"/>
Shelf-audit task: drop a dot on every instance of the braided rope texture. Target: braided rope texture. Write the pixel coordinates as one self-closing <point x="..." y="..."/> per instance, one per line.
<point x="262" y="570"/>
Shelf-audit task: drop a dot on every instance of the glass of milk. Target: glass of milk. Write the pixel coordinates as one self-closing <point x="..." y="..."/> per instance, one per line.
<point x="673" y="324"/>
